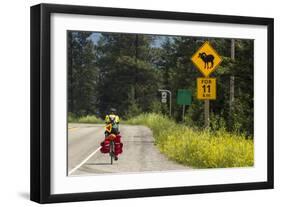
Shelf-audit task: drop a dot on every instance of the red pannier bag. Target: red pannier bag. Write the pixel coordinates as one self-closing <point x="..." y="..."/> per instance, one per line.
<point x="105" y="146"/>
<point x="118" y="148"/>
<point x="117" y="138"/>
<point x="118" y="145"/>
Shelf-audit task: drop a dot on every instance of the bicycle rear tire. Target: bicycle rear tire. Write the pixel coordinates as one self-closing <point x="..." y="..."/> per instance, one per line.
<point x="111" y="152"/>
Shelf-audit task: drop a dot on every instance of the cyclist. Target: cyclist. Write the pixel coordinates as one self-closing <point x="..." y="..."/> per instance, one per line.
<point x="112" y="125"/>
<point x="112" y="119"/>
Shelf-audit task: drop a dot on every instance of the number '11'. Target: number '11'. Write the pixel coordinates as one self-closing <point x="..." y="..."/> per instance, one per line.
<point x="208" y="88"/>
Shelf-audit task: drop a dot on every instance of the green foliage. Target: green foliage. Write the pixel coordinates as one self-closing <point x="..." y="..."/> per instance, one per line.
<point x="82" y="72"/>
<point x="158" y="107"/>
<point x="84" y="119"/>
<point x="217" y="122"/>
<point x="133" y="110"/>
<point x="198" y="148"/>
<point x="127" y="79"/>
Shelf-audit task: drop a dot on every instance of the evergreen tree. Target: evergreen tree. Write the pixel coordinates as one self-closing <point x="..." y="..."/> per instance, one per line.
<point x="82" y="73"/>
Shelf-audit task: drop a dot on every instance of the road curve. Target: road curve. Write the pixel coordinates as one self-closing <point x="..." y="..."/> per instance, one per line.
<point x="139" y="152"/>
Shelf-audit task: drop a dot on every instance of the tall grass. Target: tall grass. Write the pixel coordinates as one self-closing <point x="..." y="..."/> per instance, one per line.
<point x="85" y="119"/>
<point x="199" y="149"/>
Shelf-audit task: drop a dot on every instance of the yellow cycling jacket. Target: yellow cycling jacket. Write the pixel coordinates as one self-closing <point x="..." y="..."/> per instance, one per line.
<point x="110" y="117"/>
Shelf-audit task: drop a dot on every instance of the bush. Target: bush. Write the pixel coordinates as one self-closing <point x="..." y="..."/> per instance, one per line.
<point x="133" y="110"/>
<point x="199" y="149"/>
<point x="84" y="119"/>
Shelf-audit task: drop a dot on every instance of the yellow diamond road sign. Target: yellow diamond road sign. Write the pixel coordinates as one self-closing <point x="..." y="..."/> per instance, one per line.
<point x="206" y="59"/>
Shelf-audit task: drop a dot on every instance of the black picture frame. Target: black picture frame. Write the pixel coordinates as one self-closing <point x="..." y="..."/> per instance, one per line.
<point x="41" y="102"/>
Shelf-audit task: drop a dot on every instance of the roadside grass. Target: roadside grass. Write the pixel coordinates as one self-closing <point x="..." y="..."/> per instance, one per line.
<point x="199" y="149"/>
<point x="91" y="119"/>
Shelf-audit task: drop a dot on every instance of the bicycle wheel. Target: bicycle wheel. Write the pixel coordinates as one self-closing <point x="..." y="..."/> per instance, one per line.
<point x="111" y="152"/>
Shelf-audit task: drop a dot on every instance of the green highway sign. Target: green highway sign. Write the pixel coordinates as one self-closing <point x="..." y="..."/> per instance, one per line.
<point x="184" y="97"/>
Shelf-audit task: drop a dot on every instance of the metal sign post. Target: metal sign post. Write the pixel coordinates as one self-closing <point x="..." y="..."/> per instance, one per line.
<point x="183" y="111"/>
<point x="165" y="91"/>
<point x="207" y="113"/>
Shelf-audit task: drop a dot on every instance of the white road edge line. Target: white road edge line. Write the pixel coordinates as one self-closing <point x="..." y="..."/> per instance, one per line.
<point x="84" y="161"/>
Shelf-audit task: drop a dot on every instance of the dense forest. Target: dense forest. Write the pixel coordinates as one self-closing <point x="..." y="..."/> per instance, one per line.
<point x="125" y="71"/>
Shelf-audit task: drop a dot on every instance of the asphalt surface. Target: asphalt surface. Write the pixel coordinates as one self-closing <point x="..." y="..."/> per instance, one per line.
<point x="139" y="152"/>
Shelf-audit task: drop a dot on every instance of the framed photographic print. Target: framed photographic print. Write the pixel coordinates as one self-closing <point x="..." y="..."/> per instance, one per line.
<point x="132" y="103"/>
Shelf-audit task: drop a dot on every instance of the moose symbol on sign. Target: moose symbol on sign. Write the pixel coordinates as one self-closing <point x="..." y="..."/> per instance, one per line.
<point x="207" y="59"/>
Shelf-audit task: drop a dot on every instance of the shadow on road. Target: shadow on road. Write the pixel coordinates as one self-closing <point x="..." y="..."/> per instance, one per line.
<point x="99" y="163"/>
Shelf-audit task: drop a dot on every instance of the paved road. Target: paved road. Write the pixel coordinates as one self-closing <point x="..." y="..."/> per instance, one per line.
<point x="139" y="152"/>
